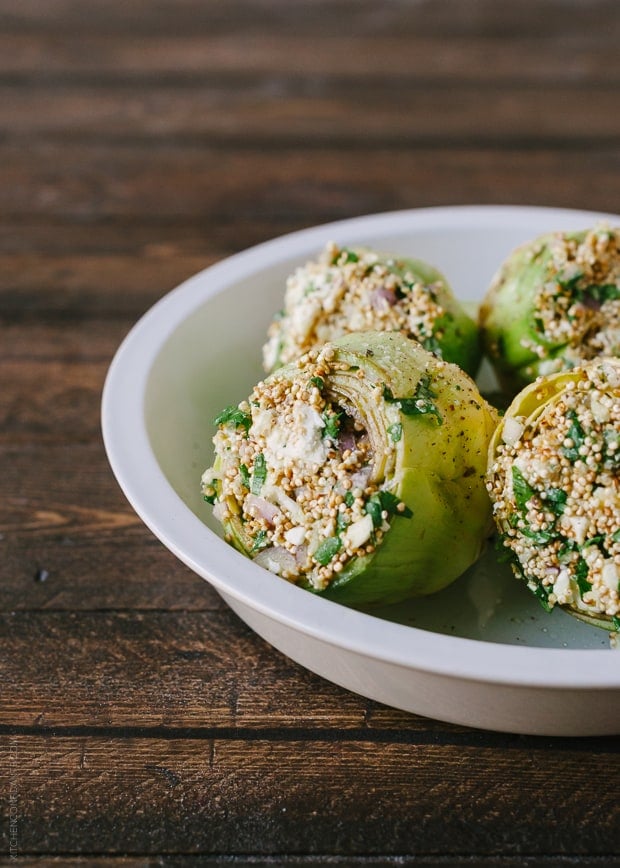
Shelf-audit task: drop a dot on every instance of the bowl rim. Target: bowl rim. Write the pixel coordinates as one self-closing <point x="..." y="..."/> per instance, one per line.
<point x="162" y="510"/>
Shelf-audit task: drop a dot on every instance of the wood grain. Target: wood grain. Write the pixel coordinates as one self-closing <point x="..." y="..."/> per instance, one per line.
<point x="212" y="185"/>
<point x="318" y="18"/>
<point x="237" y="796"/>
<point x="54" y="58"/>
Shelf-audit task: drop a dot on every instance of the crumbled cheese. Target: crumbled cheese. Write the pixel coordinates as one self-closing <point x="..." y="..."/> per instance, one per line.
<point x="301" y="442"/>
<point x="295" y="536"/>
<point x="359" y="532"/>
<point x="512" y="430"/>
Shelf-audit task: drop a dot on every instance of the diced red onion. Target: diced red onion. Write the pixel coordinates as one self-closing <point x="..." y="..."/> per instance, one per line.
<point x="346" y="440"/>
<point x="261" y="508"/>
<point x="301" y="554"/>
<point x="383" y="297"/>
<point x="590" y="302"/>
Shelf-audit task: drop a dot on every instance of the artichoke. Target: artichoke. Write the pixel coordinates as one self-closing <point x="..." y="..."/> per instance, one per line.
<point x="554" y="480"/>
<point x="554" y="304"/>
<point x="357" y="472"/>
<point x="351" y="290"/>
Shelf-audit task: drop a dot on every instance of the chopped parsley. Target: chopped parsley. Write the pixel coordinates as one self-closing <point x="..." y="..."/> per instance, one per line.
<point x="332" y="424"/>
<point x="542" y="595"/>
<point x="600" y="292"/>
<point x="259" y="474"/>
<point x="556" y="500"/>
<point x="211" y="498"/>
<point x="581" y="576"/>
<point x="319" y="382"/>
<point x="373" y="509"/>
<point x="244" y="473"/>
<point x="432" y="345"/>
<point x="569" y="284"/>
<point x="349" y="498"/>
<point x="232" y="415"/>
<point x="538" y="537"/>
<point x="260" y="541"/>
<point x="523" y="491"/>
<point x="577" y="435"/>
<point x="384" y="501"/>
<point x="420" y="403"/>
<point x="327" y="550"/>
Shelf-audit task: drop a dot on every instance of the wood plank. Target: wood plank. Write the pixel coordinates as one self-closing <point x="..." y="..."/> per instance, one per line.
<point x="104" y="286"/>
<point x="73" y="570"/>
<point x="294" y="111"/>
<point x="164" y="674"/>
<point x="316" y="18"/>
<point x="314" y="861"/>
<point x="153" y="60"/>
<point x="132" y="795"/>
<point x="163" y="670"/>
<point x="45" y="398"/>
<point x="58" y="181"/>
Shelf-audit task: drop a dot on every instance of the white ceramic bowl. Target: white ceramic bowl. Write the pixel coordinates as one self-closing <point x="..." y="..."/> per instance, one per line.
<point x="482" y="653"/>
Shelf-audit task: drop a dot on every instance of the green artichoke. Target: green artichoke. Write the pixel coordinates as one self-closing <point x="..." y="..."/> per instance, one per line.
<point x="357" y="472"/>
<point x="554" y="479"/>
<point x="554" y="304"/>
<point x="354" y="289"/>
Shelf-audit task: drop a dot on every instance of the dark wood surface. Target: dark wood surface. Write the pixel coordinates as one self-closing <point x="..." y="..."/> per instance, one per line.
<point x="141" y="723"/>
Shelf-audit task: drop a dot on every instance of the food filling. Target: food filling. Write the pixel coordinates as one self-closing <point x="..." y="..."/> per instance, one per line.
<point x="578" y="309"/>
<point x="556" y="494"/>
<point x="352" y="291"/>
<point x="298" y="473"/>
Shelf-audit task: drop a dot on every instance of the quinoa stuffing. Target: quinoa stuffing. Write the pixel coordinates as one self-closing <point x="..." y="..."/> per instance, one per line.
<point x="554" y="304"/>
<point x="554" y="482"/>
<point x="299" y="470"/>
<point x="578" y="308"/>
<point x="356" y="290"/>
<point x="350" y="471"/>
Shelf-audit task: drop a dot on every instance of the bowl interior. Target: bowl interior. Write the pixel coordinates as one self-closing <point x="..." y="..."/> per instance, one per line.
<point x="212" y="357"/>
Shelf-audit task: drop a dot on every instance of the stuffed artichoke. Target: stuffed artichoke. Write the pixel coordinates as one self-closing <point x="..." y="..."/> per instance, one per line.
<point x="554" y="479"/>
<point x="554" y="304"/>
<point x="357" y="472"/>
<point x="352" y="290"/>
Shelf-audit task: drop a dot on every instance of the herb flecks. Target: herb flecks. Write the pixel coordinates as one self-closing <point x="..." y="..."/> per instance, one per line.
<point x="332" y="424"/>
<point x="382" y="505"/>
<point x="576" y="435"/>
<point x="421" y="403"/>
<point x="234" y="416"/>
<point x="259" y="474"/>
<point x="260" y="542"/>
<point x="328" y="549"/>
<point x="523" y="491"/>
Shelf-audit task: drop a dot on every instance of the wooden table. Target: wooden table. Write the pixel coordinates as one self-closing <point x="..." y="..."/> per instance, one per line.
<point x="141" y="722"/>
